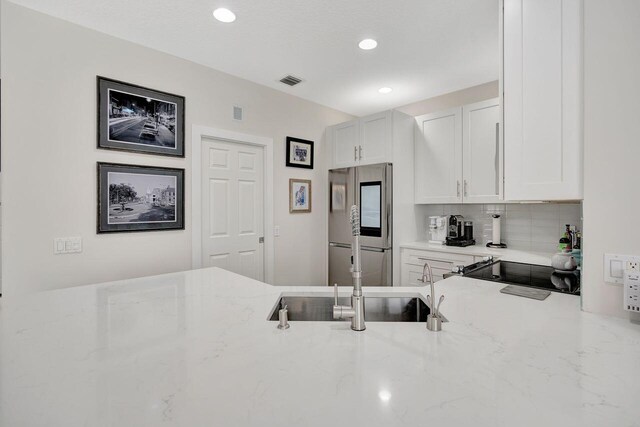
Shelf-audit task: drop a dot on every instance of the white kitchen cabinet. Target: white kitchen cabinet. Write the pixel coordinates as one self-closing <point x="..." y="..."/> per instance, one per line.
<point x="345" y="142"/>
<point x="438" y="157"/>
<point x="458" y="155"/>
<point x="481" y="153"/>
<point x="542" y="81"/>
<point x="375" y="138"/>
<point x="365" y="141"/>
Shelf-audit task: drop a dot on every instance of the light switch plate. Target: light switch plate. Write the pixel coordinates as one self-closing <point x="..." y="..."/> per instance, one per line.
<point x="615" y="266"/>
<point x="276" y="230"/>
<point x="67" y="245"/>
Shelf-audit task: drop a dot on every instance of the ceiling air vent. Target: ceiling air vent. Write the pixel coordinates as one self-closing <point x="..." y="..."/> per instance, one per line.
<point x="290" y="80"/>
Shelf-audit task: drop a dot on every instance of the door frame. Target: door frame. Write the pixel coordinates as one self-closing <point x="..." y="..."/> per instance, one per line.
<point x="197" y="134"/>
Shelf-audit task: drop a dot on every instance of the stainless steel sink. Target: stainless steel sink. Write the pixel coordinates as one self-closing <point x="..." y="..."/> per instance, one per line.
<point x="377" y="309"/>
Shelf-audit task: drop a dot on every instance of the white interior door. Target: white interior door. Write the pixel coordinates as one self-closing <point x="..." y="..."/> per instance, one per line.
<point x="481" y="152"/>
<point x="233" y="207"/>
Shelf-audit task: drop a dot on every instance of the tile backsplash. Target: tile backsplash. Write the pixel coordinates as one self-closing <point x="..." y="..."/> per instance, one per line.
<point x="535" y="227"/>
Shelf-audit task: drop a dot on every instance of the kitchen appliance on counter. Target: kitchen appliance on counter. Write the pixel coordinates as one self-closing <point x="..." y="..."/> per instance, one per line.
<point x="370" y="188"/>
<point x="438" y="226"/>
<point x="457" y="232"/>
<point x="528" y="275"/>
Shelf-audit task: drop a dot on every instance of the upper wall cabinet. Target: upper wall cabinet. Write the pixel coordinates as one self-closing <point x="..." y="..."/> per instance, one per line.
<point x="346" y="137"/>
<point x="438" y="157"/>
<point x="458" y="155"/>
<point x="364" y="141"/>
<point x="542" y="83"/>
<point x="481" y="152"/>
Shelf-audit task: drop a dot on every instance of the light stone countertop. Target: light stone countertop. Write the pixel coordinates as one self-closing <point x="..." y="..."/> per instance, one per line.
<point x="195" y="349"/>
<point x="506" y="254"/>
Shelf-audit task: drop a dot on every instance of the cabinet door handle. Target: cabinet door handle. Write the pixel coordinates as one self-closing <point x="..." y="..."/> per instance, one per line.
<point x="458" y="188"/>
<point x="360" y="152"/>
<point x="466" y="188"/>
<point x="497" y="158"/>
<point x="355" y="153"/>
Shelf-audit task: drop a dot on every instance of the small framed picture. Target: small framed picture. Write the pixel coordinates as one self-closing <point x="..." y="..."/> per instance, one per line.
<point x="338" y="197"/>
<point x="139" y="198"/>
<point x="138" y="119"/>
<point x="299" y="196"/>
<point x="299" y="153"/>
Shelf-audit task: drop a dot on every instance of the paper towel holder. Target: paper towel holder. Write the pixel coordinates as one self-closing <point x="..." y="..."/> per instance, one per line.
<point x="496" y="234"/>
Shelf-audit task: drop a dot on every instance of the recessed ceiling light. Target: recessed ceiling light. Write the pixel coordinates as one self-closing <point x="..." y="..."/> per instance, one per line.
<point x="384" y="395"/>
<point x="224" y="15"/>
<point x="368" y="44"/>
<point x="385" y="90"/>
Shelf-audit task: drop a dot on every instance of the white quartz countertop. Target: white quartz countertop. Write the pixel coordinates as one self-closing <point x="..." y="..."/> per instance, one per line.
<point x="506" y="254"/>
<point x="195" y="349"/>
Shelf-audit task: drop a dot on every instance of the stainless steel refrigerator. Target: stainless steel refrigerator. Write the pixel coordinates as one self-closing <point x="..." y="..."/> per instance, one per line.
<point x="370" y="188"/>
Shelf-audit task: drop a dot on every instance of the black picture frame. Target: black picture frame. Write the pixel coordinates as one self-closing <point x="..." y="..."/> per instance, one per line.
<point x="160" y="133"/>
<point x="152" y="200"/>
<point x="297" y="143"/>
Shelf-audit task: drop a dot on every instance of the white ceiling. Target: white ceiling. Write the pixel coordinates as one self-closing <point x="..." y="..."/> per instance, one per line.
<point x="425" y="47"/>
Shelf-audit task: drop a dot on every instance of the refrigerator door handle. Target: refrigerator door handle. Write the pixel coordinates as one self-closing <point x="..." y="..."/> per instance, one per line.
<point x="339" y="245"/>
<point x="372" y="249"/>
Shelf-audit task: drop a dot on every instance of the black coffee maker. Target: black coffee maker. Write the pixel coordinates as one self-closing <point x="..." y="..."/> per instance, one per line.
<point x="459" y="233"/>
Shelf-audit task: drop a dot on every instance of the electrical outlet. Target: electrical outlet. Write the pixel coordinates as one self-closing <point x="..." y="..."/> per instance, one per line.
<point x="632" y="286"/>
<point x="616" y="266"/>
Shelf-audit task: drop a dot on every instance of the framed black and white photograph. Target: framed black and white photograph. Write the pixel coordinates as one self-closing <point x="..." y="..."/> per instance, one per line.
<point x="139" y="198"/>
<point x="138" y="119"/>
<point x="299" y="196"/>
<point x="299" y="153"/>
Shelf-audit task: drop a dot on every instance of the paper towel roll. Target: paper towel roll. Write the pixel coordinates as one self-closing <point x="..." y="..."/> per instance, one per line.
<point x="496" y="230"/>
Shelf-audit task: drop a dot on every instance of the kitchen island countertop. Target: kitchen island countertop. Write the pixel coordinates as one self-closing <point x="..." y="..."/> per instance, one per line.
<point x="195" y="349"/>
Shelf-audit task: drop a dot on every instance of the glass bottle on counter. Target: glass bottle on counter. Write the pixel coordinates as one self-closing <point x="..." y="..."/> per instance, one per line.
<point x="565" y="244"/>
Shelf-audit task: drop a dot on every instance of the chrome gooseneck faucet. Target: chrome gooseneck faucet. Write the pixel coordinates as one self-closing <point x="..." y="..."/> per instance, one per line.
<point x="434" y="320"/>
<point x="355" y="312"/>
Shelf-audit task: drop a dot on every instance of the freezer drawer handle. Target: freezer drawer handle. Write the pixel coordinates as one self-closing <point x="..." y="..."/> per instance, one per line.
<point x="364" y="248"/>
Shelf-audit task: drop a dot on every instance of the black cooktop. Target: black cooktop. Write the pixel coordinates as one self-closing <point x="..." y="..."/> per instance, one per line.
<point x="534" y="276"/>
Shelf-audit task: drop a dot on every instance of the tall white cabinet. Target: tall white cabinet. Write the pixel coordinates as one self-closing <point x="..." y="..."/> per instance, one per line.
<point x="458" y="156"/>
<point x="542" y="81"/>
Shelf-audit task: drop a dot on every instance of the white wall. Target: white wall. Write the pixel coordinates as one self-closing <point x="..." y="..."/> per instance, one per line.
<point x="454" y="99"/>
<point x="533" y="227"/>
<point x="49" y="155"/>
<point x="612" y="145"/>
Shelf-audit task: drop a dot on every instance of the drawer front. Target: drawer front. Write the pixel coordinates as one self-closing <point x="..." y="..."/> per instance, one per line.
<point x="441" y="260"/>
